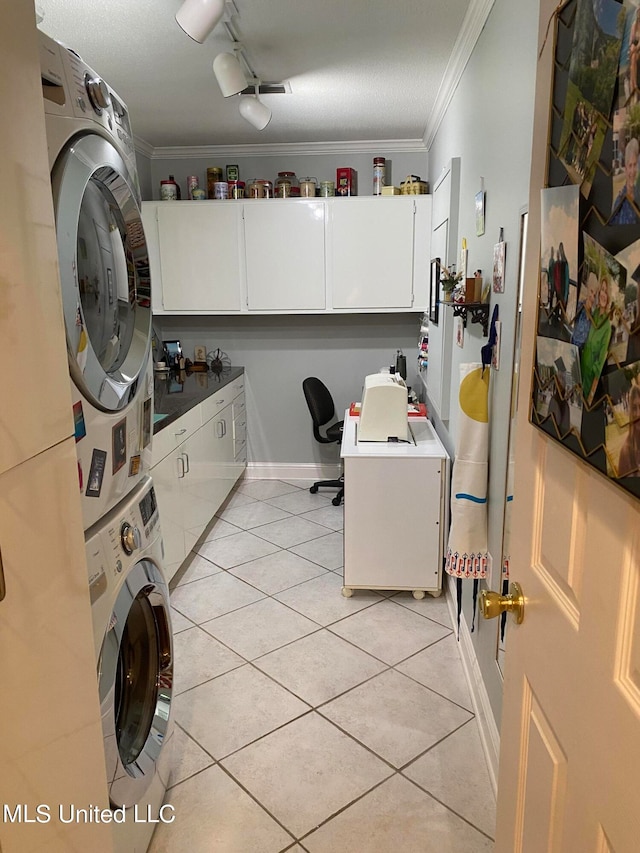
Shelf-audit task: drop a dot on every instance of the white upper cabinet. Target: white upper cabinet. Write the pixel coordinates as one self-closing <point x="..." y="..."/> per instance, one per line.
<point x="370" y="250"/>
<point x="284" y="242"/>
<point x="289" y="255"/>
<point x="199" y="248"/>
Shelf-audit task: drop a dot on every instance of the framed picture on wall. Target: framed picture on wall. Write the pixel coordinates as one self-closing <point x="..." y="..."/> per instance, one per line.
<point x="434" y="291"/>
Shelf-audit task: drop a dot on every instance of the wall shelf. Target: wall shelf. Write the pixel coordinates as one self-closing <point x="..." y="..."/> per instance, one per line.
<point x="478" y="311"/>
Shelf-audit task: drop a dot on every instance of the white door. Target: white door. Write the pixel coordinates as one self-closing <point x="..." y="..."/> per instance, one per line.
<point x="570" y="740"/>
<point x="199" y="248"/>
<point x="370" y="252"/>
<point x="168" y="476"/>
<point x="284" y="244"/>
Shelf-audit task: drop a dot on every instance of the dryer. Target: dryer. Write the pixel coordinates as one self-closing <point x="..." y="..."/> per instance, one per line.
<point x="134" y="657"/>
<point x="104" y="276"/>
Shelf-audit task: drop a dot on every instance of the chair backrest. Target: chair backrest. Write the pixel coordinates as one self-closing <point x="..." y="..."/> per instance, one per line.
<point x="320" y="403"/>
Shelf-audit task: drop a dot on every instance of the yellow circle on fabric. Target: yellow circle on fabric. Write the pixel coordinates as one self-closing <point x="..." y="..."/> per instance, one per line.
<point x="474" y="396"/>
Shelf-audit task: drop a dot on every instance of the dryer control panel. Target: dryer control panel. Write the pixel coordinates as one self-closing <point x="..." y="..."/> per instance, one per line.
<point x="124" y="536"/>
<point x="71" y="88"/>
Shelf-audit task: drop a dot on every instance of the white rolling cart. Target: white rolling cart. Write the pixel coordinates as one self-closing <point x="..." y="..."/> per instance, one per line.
<point x="396" y="503"/>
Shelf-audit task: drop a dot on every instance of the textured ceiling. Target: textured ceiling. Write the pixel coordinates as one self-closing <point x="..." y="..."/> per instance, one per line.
<point x="358" y="69"/>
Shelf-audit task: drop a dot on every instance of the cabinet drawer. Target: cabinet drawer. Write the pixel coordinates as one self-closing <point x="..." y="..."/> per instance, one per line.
<point x="236" y="387"/>
<point x="214" y="404"/>
<point x="239" y="431"/>
<point x="174" y="434"/>
<point x="239" y="407"/>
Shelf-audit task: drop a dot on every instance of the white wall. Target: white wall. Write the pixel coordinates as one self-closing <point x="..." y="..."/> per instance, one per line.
<point x="489" y="126"/>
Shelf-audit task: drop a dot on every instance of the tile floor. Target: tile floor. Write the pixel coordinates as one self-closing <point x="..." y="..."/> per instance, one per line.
<point x="307" y="721"/>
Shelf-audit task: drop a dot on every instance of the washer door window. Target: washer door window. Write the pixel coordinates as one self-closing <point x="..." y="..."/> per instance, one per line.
<point x="135" y="677"/>
<point x="104" y="271"/>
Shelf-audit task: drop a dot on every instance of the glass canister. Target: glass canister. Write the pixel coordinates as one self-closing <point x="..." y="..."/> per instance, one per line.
<point x="327" y="188"/>
<point x="260" y="188"/>
<point x="284" y="183"/>
<point x="308" y="187"/>
<point x="214" y="174"/>
<point x="236" y="189"/>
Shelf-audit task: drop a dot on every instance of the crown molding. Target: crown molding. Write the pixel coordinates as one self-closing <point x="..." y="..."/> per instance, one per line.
<point x="143" y="147"/>
<point x="472" y="26"/>
<point x="373" y="146"/>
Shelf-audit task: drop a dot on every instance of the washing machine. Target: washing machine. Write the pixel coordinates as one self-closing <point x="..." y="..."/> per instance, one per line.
<point x="134" y="658"/>
<point x="104" y="276"/>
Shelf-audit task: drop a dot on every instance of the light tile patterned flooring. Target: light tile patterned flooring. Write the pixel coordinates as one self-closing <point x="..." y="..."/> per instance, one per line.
<point x="307" y="721"/>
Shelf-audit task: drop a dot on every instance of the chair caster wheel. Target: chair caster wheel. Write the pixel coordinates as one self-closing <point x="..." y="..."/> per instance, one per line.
<point x="336" y="501"/>
<point x="418" y="594"/>
<point x="347" y="591"/>
<point x="313" y="489"/>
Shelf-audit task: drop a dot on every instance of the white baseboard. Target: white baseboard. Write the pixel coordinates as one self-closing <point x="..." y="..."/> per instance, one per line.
<point x="291" y="471"/>
<point x="489" y="734"/>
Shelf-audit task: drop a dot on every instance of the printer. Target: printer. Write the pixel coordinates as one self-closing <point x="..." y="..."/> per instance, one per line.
<point x="383" y="415"/>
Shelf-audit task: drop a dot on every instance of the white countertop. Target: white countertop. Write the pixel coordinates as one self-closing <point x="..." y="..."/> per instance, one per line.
<point x="427" y="442"/>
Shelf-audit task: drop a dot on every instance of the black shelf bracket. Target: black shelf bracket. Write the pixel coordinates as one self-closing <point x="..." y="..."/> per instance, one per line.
<point x="478" y="311"/>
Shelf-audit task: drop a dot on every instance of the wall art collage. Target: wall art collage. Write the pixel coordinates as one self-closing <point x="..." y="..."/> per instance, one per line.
<point x="586" y="383"/>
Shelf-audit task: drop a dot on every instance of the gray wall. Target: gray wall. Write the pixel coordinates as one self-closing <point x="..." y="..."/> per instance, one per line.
<point x="489" y="126"/>
<point x="279" y="352"/>
<point x="320" y="166"/>
<point x="143" y="162"/>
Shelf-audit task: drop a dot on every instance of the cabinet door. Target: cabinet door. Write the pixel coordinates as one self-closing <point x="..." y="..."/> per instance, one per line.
<point x="284" y="245"/>
<point x="168" y="476"/>
<point x="208" y="479"/>
<point x="371" y="247"/>
<point x="199" y="245"/>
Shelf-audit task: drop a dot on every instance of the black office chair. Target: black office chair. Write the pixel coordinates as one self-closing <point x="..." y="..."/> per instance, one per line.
<point x="322" y="411"/>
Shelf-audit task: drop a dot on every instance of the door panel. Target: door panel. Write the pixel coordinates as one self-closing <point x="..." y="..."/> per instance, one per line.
<point x="167" y="480"/>
<point x="284" y="244"/>
<point x="570" y="741"/>
<point x="543" y="816"/>
<point x="200" y="256"/>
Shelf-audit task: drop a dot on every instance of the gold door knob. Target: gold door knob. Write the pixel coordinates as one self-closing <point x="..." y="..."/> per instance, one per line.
<point x="492" y="604"/>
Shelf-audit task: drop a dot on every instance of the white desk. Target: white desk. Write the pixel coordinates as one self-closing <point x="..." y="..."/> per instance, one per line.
<point x="395" y="511"/>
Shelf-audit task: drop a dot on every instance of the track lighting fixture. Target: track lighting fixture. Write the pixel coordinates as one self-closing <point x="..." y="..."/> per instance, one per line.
<point x="254" y="111"/>
<point x="229" y="74"/>
<point x="199" y="17"/>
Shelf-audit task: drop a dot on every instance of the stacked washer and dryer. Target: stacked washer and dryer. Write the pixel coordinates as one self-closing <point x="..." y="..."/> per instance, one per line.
<point x="104" y="274"/>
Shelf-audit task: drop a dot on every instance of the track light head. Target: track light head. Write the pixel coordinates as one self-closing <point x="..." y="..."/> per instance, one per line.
<point x="229" y="74"/>
<point x="198" y="18"/>
<point x="254" y="111"/>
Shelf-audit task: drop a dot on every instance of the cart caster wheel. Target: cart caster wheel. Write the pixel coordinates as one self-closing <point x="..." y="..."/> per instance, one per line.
<point x="336" y="501"/>
<point x="418" y="594"/>
<point x="347" y="591"/>
<point x="436" y="593"/>
<point x="313" y="489"/>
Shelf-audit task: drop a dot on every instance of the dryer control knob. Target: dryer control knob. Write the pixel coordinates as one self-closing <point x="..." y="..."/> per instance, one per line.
<point x="98" y="92"/>
<point x="130" y="538"/>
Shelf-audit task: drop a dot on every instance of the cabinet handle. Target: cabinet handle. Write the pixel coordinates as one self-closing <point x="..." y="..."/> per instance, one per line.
<point x="219" y="402"/>
<point x="181" y="431"/>
<point x="181" y="472"/>
<point x="186" y="459"/>
<point x="3" y="588"/>
<point x="224" y="427"/>
<point x="219" y="429"/>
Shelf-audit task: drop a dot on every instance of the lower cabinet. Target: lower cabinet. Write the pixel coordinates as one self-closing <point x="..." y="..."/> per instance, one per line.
<point x="193" y="480"/>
